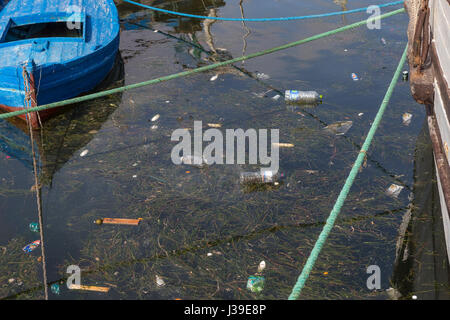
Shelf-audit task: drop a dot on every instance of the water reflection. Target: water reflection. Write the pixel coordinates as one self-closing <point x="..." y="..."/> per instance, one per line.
<point x="64" y="134"/>
<point x="421" y="264"/>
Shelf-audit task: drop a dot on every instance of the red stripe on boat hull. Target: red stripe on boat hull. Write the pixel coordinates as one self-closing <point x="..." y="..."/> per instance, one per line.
<point x="43" y="115"/>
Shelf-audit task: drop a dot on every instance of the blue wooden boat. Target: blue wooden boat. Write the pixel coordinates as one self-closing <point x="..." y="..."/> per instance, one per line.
<point x="53" y="50"/>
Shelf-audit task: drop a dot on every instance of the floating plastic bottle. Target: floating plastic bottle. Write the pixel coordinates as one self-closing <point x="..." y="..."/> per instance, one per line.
<point x="267" y="176"/>
<point x="355" y="77"/>
<point x="306" y="97"/>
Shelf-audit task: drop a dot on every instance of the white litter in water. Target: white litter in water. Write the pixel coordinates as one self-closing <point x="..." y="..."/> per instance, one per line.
<point x="135" y="176"/>
<point x="406" y="118"/>
<point x="276" y="97"/>
<point x="159" y="281"/>
<point x="83" y="153"/>
<point x="394" y="190"/>
<point x="262" y="266"/>
<point x="156" y="117"/>
<point x="209" y="254"/>
<point x="154" y="127"/>
<point x="360" y="114"/>
<point x="262" y="76"/>
<point x="214" y="78"/>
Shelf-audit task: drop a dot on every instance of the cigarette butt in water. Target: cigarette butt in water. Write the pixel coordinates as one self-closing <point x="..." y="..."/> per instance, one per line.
<point x="214" y="125"/>
<point x="89" y="288"/>
<point x="283" y="145"/>
<point x="130" y="222"/>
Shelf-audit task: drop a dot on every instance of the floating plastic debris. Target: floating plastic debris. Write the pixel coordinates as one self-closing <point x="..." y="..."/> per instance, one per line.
<point x="262" y="76"/>
<point x="88" y="288"/>
<point x="30" y="247"/>
<point x="214" y="78"/>
<point x="55" y="289"/>
<point x="83" y="153"/>
<point x="154" y="127"/>
<point x="11" y="280"/>
<point x="255" y="283"/>
<point x="383" y="41"/>
<point x="257" y="177"/>
<point x="262" y="266"/>
<point x="155" y="117"/>
<point x="262" y="94"/>
<point x="355" y="77"/>
<point x="360" y="114"/>
<point x="159" y="281"/>
<point x="195" y="161"/>
<point x="276" y="97"/>
<point x="306" y="97"/>
<point x="406" y="118"/>
<point x="394" y="190"/>
<point x="339" y="128"/>
<point x="405" y="75"/>
<point x="34" y="226"/>
<point x="130" y="222"/>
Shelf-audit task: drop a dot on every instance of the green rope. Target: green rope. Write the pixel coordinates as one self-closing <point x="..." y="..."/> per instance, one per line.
<point x="345" y="190"/>
<point x="197" y="70"/>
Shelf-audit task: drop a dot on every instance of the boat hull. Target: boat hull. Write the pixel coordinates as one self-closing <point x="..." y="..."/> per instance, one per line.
<point x="429" y="42"/>
<point x="59" y="67"/>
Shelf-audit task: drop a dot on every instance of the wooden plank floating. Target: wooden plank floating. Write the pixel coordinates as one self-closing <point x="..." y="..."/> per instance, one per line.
<point x="283" y="145"/>
<point x="130" y="222"/>
<point x="89" y="288"/>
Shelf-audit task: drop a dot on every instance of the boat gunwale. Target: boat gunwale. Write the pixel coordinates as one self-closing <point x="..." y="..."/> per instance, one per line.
<point x="114" y="16"/>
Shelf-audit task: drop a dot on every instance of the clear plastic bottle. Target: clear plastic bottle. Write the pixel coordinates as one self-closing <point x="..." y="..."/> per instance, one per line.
<point x="306" y="97"/>
<point x="261" y="177"/>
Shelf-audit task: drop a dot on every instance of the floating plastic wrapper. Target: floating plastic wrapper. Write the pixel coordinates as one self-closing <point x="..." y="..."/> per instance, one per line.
<point x="30" y="247"/>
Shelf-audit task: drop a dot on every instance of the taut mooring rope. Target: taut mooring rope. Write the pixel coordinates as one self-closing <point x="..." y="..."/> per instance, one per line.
<point x="309" y="265"/>
<point x="28" y="97"/>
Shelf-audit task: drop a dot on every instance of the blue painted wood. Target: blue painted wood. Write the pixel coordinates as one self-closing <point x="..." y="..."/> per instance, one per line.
<point x="68" y="45"/>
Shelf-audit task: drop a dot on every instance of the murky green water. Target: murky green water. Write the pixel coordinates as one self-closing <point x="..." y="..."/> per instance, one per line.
<point x="202" y="233"/>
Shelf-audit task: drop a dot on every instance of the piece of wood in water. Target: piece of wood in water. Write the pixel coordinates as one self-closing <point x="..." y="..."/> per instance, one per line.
<point x="131" y="222"/>
<point x="283" y="145"/>
<point x="89" y="288"/>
